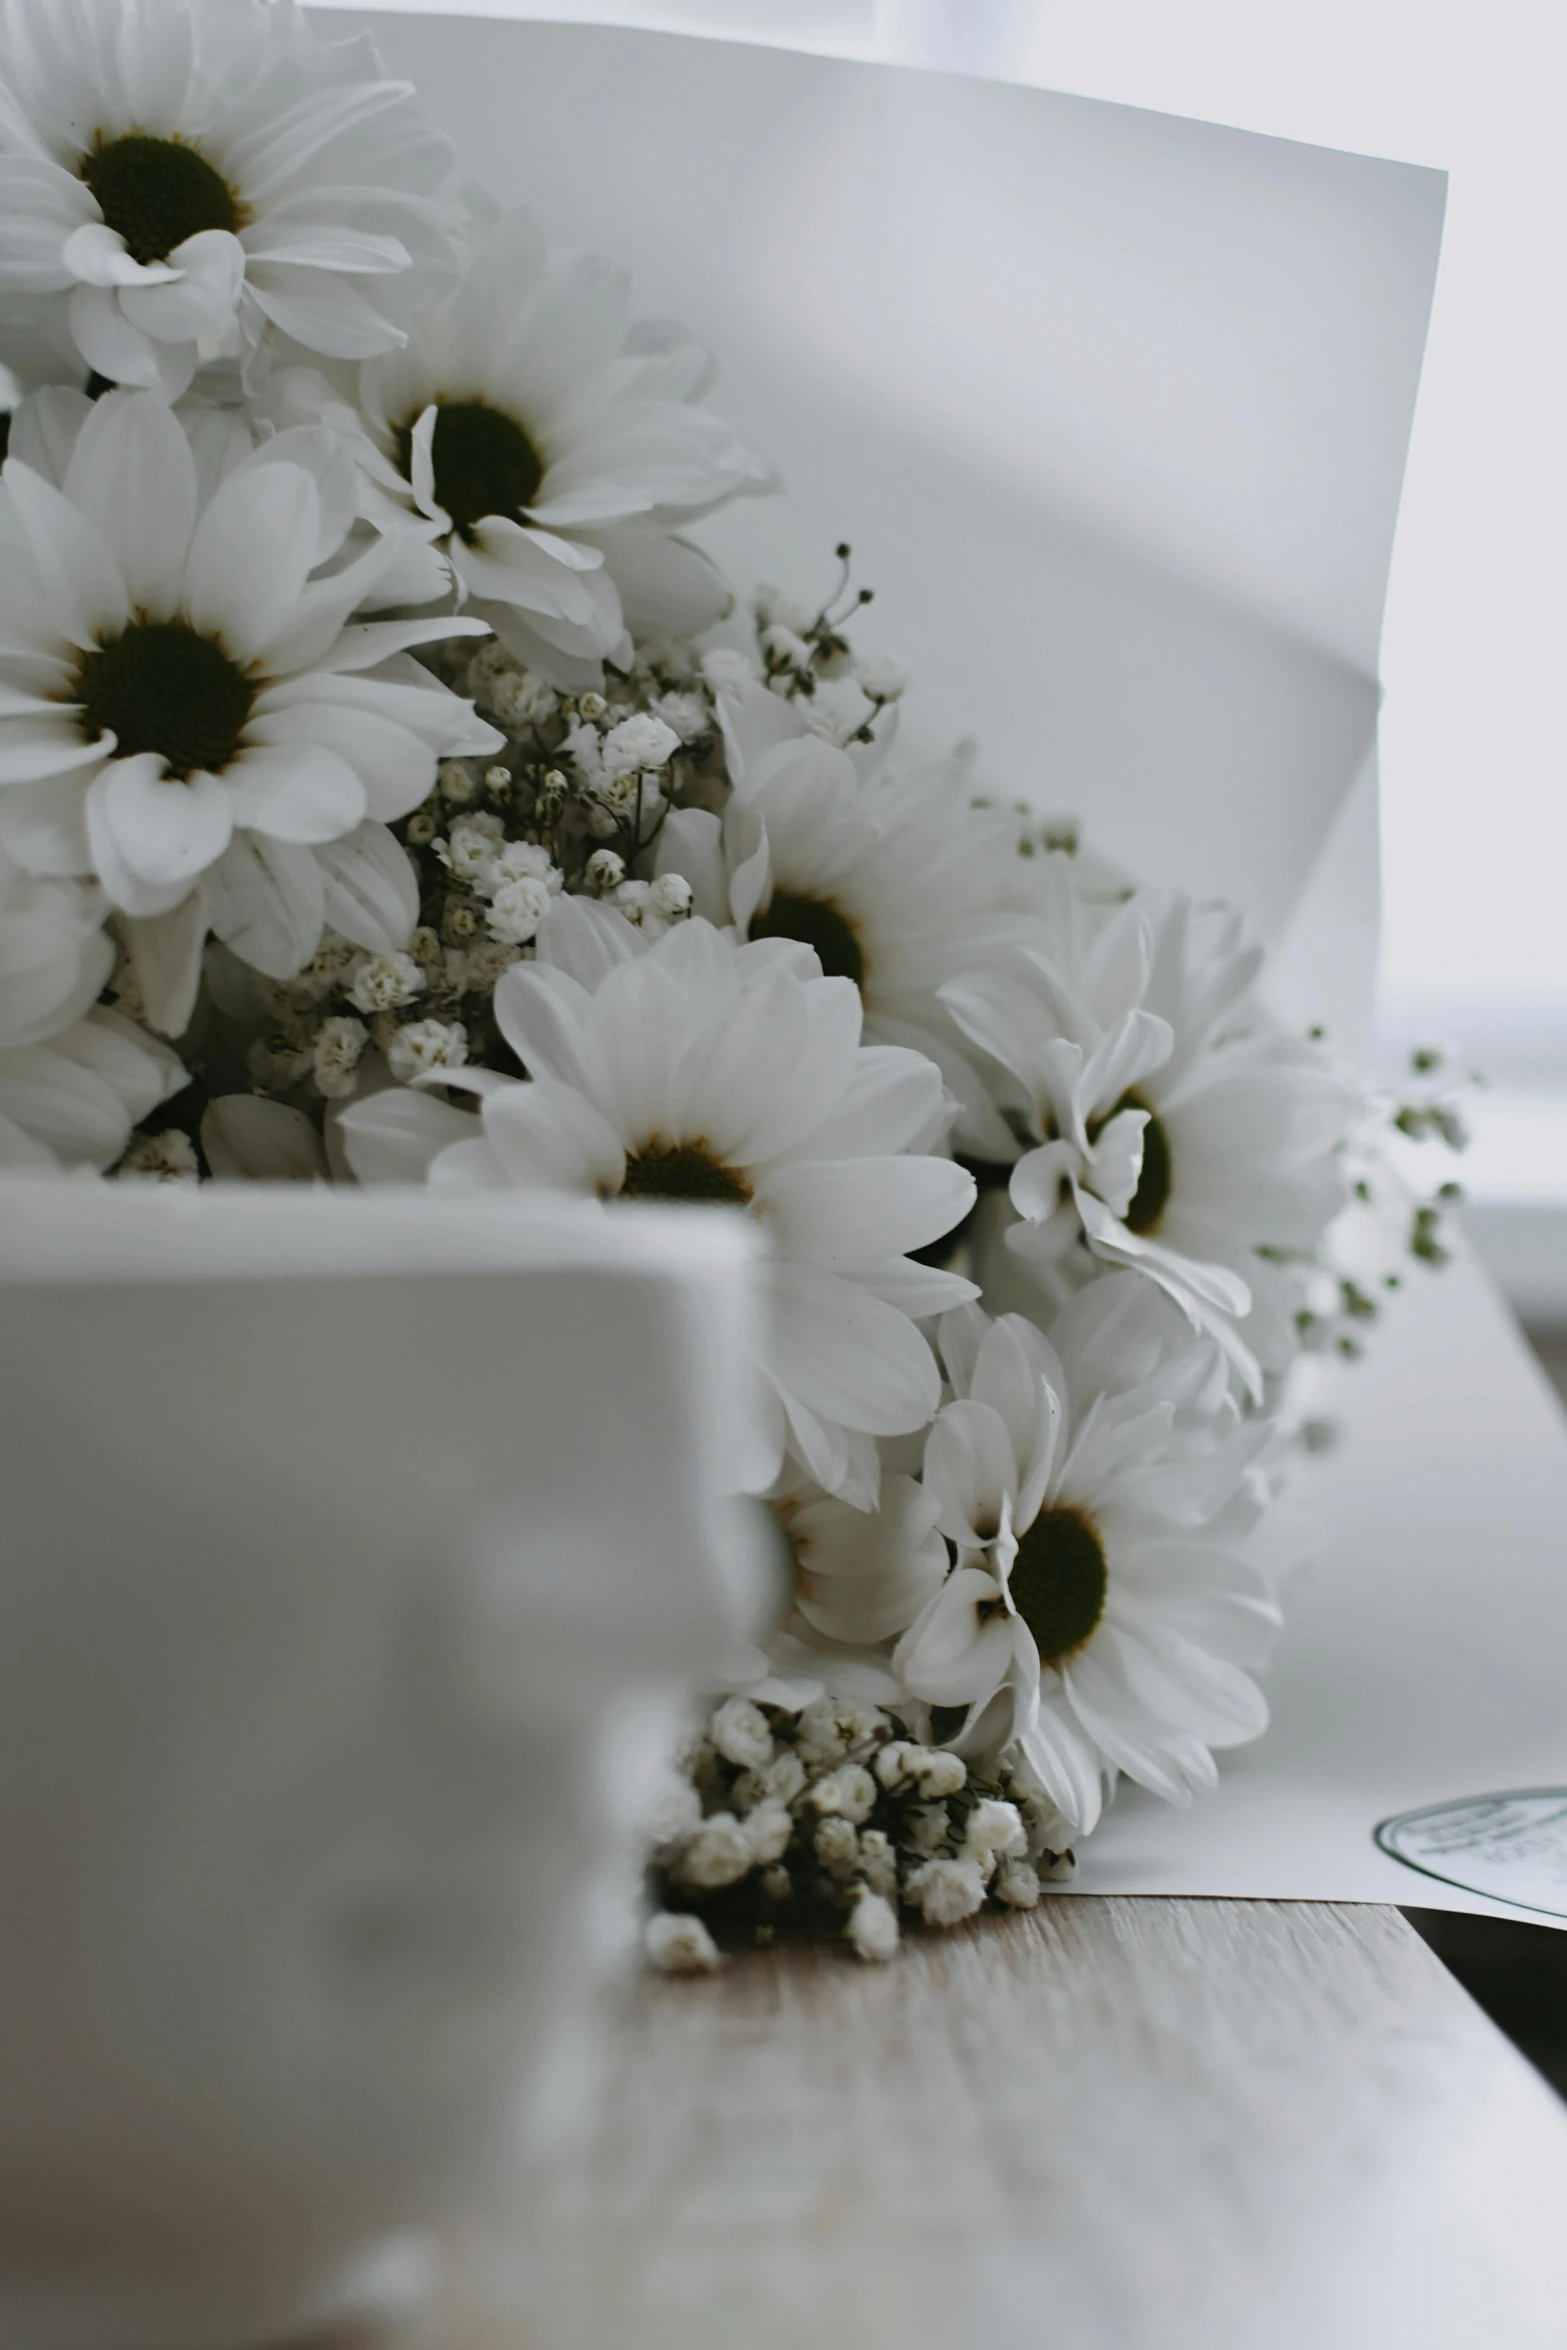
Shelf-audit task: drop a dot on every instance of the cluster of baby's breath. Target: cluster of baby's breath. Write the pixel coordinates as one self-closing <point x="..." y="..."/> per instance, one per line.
<point x="806" y="657"/>
<point x="575" y="802"/>
<point x="830" y="1821"/>
<point x="1395" y="1221"/>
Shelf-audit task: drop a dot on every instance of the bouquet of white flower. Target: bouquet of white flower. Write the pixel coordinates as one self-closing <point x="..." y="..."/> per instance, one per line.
<point x="387" y="794"/>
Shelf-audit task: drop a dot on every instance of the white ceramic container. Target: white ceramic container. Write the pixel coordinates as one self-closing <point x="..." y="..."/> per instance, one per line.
<point x="336" y="1533"/>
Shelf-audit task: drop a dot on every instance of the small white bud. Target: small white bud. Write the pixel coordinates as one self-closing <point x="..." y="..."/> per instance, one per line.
<point x="881" y="680"/>
<point x="945" y="1774"/>
<point x="335" y="1064"/>
<point x="472" y="842"/>
<point x="517" y="909"/>
<point x="687" y="714"/>
<point x="770" y="1830"/>
<point x="169" y="1157"/>
<point x="605" y="871"/>
<point x="784" y="1777"/>
<point x="741" y="1734"/>
<point x="384" y="983"/>
<point x="878" y="1862"/>
<point x="831" y="1728"/>
<point x="717" y="1854"/>
<point x="671" y="897"/>
<point x="524" y="860"/>
<point x="637" y="744"/>
<point x="872" y="1928"/>
<point x="726" y="670"/>
<point x="927" y="1827"/>
<point x="425" y="1045"/>
<point x="995" y="1832"/>
<point x="522" y="700"/>
<point x="898" y="1764"/>
<point x="837" y="1847"/>
<point x="631" y="899"/>
<point x="783" y="649"/>
<point x="1049" y="1830"/>
<point x="674" y="1814"/>
<point x="1017" y="1884"/>
<point x="849" y="1791"/>
<point x="946" y="1891"/>
<point x="679" y="1945"/>
<point x="456" y="782"/>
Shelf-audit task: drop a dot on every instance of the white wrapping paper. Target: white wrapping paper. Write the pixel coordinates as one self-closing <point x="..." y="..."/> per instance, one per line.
<point x="1113" y="407"/>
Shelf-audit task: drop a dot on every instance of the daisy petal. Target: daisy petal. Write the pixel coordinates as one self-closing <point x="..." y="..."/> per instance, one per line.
<point x="31" y="753"/>
<point x="199" y="303"/>
<point x="121" y="353"/>
<point x="299" y="792"/>
<point x="324" y="311"/>
<point x="1066" y="1765"/>
<point x="251" y="555"/>
<point x="43" y="826"/>
<point x="853" y="1214"/>
<point x="548" y="1138"/>
<point x="164" y="830"/>
<point x="971" y="1472"/>
<point x="268" y="903"/>
<point x="96" y="255"/>
<point x="132" y="474"/>
<point x="396" y="1136"/>
<point x="372" y="891"/>
<point x="81" y="583"/>
<point x="848" y="1356"/>
<point x="395" y="769"/>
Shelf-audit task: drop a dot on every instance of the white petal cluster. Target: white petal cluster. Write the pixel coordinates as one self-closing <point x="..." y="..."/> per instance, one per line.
<point x="1176" y="1130"/>
<point x="180" y="181"/>
<point x="192" y="709"/>
<point x="551" y="448"/>
<point x="900" y="885"/>
<point x="75" y="1077"/>
<point x="691" y="1068"/>
<point x="1103" y="1612"/>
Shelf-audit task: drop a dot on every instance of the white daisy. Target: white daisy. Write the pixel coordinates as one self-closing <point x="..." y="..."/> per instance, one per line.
<point x="548" y="446"/>
<point x="859" y="1580"/>
<point x="177" y="178"/>
<point x="1177" y="1130"/>
<point x="695" y="1069"/>
<point x="899" y="885"/>
<point x="74" y="1078"/>
<point x="189" y="710"/>
<point x="1100" y="1617"/>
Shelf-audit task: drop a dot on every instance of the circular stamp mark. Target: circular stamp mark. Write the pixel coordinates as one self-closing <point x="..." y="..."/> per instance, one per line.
<point x="1510" y="1847"/>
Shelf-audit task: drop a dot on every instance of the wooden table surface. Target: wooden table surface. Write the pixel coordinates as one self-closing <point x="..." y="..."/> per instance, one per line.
<point x="1116" y="2124"/>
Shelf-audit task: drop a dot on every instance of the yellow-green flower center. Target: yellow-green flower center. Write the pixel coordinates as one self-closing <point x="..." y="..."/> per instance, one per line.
<point x="1059" y="1581"/>
<point x="158" y="192"/>
<point x="682" y="1170"/>
<point x="1152" y="1196"/>
<point x="818" y="924"/>
<point x="484" y="463"/>
<point x="160" y="687"/>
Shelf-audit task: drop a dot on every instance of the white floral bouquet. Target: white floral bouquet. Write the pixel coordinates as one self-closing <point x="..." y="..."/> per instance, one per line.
<point x="389" y="793"/>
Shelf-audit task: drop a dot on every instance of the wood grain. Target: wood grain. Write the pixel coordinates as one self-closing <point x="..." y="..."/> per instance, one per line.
<point x="1114" y="2125"/>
